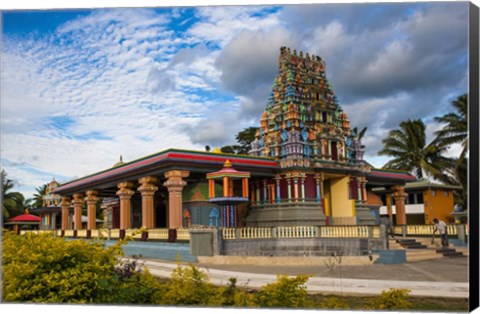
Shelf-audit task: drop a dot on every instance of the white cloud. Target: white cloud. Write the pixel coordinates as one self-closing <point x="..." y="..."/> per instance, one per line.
<point x="125" y="82"/>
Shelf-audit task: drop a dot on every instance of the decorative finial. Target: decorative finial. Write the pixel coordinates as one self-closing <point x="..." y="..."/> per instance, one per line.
<point x="227" y="164"/>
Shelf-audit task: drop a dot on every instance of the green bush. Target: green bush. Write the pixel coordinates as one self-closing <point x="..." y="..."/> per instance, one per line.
<point x="45" y="269"/>
<point x="286" y="292"/>
<point x="392" y="299"/>
<point x="190" y="286"/>
<point x="334" y="303"/>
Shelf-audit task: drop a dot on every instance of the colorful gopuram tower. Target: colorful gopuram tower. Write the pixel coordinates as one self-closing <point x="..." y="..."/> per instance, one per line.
<point x="322" y="177"/>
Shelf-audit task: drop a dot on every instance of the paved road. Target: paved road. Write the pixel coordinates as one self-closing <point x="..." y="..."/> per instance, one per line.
<point x="446" y="277"/>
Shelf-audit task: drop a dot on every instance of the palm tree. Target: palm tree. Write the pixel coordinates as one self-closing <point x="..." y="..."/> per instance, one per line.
<point x="460" y="178"/>
<point x="456" y="126"/>
<point x="407" y="145"/>
<point x="455" y="131"/>
<point x="38" y="197"/>
<point x="12" y="202"/>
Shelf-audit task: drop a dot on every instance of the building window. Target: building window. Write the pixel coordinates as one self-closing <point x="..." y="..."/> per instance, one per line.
<point x="383" y="197"/>
<point x="410" y="199"/>
<point x="446" y="193"/>
<point x="420" y="198"/>
<point x="434" y="193"/>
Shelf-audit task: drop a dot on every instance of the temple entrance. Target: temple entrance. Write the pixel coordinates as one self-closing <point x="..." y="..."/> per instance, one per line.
<point x="161" y="216"/>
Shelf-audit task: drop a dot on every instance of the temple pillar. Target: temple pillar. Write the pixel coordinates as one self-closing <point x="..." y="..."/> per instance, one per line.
<point x="175" y="185"/>
<point x="277" y="179"/>
<point x="388" y="203"/>
<point x="295" y="189"/>
<point x="211" y="188"/>
<point x="252" y="193"/>
<point x="226" y="187"/>
<point x="289" y="188"/>
<point x="302" y="186"/>
<point x="147" y="189"/>
<point x="265" y="191"/>
<point x="77" y="211"/>
<point x="399" y="195"/>
<point x="359" y="189"/>
<point x="364" y="189"/>
<point x="245" y="187"/>
<point x="65" y="204"/>
<point x="91" y="200"/>
<point x="319" y="186"/>
<point x="329" y="150"/>
<point x="125" y="193"/>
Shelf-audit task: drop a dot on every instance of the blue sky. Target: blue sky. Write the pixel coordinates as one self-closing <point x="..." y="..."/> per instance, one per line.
<point x="79" y="88"/>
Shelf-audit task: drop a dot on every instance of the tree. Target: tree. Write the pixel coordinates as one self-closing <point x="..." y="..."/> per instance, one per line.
<point x="244" y="139"/>
<point x="41" y="191"/>
<point x="12" y="202"/>
<point x="455" y="130"/>
<point x="407" y="145"/>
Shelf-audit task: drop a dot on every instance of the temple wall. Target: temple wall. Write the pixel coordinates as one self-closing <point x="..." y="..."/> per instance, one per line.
<point x="341" y="205"/>
<point x="299" y="247"/>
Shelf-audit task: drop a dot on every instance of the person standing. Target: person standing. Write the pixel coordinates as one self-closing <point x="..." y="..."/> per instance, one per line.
<point x="441" y="227"/>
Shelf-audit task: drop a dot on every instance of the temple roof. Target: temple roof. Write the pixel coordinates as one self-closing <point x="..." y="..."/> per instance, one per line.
<point x="228" y="171"/>
<point x="26" y="217"/>
<point x="157" y="164"/>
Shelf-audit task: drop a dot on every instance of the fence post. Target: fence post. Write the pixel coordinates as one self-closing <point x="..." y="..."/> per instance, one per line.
<point x="238" y="233"/>
<point x="383" y="236"/>
<point x="217" y="241"/>
<point x="404" y="231"/>
<point x="461" y="233"/>
<point x="274" y="232"/>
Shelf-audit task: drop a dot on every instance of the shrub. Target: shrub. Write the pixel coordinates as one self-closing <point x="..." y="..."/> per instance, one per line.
<point x="190" y="286"/>
<point x="46" y="269"/>
<point x="285" y="292"/>
<point x="392" y="299"/>
<point x="334" y="303"/>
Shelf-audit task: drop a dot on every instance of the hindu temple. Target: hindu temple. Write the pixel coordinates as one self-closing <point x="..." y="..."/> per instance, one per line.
<point x="305" y="168"/>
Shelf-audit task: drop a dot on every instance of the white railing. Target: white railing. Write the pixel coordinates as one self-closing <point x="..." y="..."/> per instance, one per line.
<point x="255" y="233"/>
<point x="292" y="232"/>
<point x="229" y="233"/>
<point x="346" y="231"/>
<point x="183" y="234"/>
<point x="424" y="229"/>
<point x="297" y="232"/>
<point x="115" y="233"/>
<point x="265" y="232"/>
<point x="158" y="234"/>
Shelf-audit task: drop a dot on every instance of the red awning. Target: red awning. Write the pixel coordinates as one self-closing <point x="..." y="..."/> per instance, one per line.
<point x="27" y="217"/>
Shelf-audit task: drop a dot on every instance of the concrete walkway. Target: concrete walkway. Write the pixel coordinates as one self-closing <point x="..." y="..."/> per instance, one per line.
<point x="447" y="277"/>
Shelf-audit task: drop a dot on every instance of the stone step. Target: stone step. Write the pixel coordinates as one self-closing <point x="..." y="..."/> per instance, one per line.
<point x="412" y="245"/>
<point x="449" y="252"/>
<point x="422" y="254"/>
